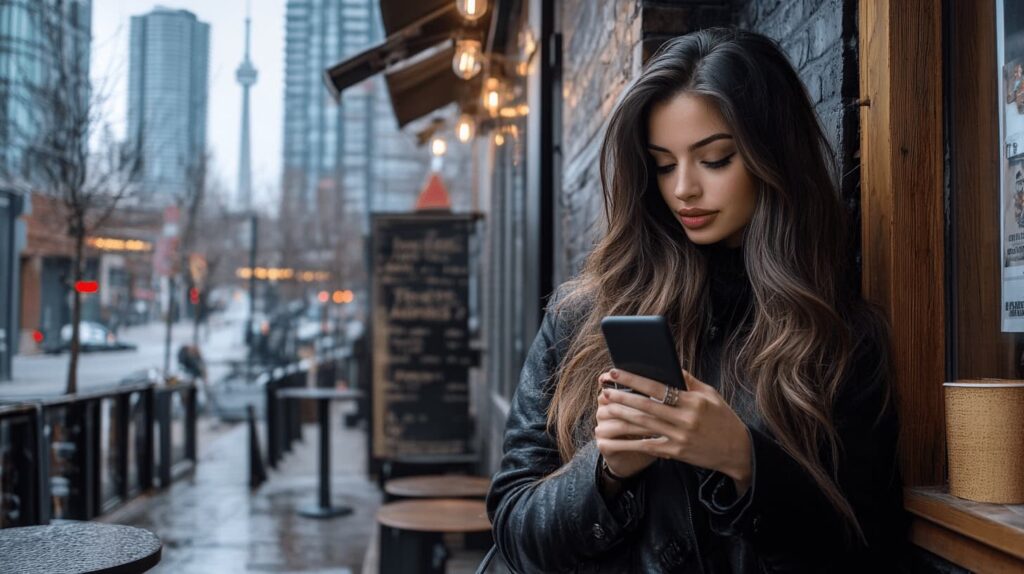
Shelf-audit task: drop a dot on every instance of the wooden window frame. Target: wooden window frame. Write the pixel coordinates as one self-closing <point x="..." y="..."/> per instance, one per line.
<point x="903" y="224"/>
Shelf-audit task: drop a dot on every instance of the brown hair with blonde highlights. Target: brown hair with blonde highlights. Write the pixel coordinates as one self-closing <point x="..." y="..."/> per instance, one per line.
<point x="797" y="344"/>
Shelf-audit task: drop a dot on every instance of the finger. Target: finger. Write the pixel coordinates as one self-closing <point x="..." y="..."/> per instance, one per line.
<point x="693" y="383"/>
<point x="650" y="446"/>
<point x="620" y="429"/>
<point x="651" y="424"/>
<point x="640" y="384"/>
<point x="645" y="404"/>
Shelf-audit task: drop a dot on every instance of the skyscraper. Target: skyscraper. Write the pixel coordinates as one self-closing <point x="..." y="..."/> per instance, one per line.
<point x="167" y="97"/>
<point x="246" y="76"/>
<point x="26" y="68"/>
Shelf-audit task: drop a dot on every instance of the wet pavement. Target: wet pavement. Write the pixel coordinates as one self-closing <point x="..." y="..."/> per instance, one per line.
<point x="211" y="522"/>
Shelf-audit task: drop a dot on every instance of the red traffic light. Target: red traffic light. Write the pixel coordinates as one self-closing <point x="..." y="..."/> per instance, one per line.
<point x="38" y="336"/>
<point x="323" y="296"/>
<point x="193" y="296"/>
<point x="87" y="286"/>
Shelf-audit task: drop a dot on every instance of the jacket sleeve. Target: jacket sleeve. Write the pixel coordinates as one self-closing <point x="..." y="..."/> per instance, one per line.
<point x="791" y="524"/>
<point x="544" y="522"/>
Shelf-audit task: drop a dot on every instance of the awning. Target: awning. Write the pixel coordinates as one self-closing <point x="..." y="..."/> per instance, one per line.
<point x="412" y="26"/>
<point x="420" y="88"/>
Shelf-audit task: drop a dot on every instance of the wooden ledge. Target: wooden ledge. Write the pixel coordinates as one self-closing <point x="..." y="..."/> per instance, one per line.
<point x="980" y="537"/>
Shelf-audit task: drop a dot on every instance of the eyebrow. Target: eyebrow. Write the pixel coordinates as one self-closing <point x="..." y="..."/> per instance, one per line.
<point x="701" y="143"/>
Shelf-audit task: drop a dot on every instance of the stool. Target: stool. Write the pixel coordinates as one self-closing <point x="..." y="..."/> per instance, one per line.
<point x="411" y="532"/>
<point x="437" y="486"/>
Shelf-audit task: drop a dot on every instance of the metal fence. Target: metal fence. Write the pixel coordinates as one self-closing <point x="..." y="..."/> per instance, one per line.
<point x="79" y="456"/>
<point x="283" y="420"/>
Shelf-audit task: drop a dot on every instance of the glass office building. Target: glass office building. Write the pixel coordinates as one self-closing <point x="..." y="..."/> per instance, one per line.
<point x="167" y="96"/>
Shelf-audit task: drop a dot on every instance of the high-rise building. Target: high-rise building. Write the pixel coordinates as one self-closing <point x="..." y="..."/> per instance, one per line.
<point x="26" y="66"/>
<point x="27" y="69"/>
<point x="353" y="149"/>
<point x="167" y="97"/>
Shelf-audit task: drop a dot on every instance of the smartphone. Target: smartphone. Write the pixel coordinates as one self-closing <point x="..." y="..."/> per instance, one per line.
<point x="643" y="345"/>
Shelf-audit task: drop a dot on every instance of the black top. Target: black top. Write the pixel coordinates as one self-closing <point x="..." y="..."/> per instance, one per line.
<point x="78" y="547"/>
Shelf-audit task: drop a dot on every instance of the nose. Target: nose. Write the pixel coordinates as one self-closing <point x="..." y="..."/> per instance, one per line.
<point x="687" y="188"/>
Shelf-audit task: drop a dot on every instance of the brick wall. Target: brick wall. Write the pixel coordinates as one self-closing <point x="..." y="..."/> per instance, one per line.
<point x="604" y="45"/>
<point x="821" y="39"/>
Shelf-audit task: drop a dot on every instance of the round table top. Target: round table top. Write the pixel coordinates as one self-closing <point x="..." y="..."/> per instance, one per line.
<point x="438" y="486"/>
<point x="78" y="547"/>
<point x="320" y="393"/>
<point x="435" y="515"/>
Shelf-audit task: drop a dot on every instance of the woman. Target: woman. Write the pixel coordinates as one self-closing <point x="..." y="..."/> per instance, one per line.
<point x="723" y="216"/>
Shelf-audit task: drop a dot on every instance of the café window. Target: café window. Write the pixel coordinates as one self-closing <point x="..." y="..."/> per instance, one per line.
<point x="984" y="103"/>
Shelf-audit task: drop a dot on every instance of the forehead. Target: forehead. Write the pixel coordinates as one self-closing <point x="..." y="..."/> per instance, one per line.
<point x="683" y="120"/>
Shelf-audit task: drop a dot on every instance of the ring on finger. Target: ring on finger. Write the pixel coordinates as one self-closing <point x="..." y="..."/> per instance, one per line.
<point x="671" y="396"/>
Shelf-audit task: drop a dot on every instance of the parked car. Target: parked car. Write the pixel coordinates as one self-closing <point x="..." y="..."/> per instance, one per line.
<point x="92" y="336"/>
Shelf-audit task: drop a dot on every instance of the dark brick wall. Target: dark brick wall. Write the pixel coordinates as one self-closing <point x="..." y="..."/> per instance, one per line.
<point x="821" y="39"/>
<point x="604" y="45"/>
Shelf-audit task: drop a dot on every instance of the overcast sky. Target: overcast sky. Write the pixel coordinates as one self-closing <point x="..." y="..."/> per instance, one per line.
<point x="109" y="69"/>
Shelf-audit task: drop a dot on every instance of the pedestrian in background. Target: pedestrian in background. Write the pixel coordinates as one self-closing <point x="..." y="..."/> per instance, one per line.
<point x="723" y="216"/>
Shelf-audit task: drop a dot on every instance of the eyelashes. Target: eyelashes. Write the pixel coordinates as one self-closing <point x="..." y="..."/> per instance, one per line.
<point x="717" y="164"/>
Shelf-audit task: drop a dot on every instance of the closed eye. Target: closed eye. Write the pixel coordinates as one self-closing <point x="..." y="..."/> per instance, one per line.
<point x="719" y="164"/>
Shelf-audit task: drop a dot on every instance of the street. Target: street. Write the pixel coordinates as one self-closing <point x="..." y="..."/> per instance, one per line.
<point x="44" y="375"/>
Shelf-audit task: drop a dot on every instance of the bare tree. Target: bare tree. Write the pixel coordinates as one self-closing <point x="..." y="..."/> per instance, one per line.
<point x="189" y="203"/>
<point x="64" y="113"/>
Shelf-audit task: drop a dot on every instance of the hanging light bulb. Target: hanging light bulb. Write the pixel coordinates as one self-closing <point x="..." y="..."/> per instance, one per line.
<point x="499" y="139"/>
<point x="471" y="10"/>
<point x="438" y="147"/>
<point x="464" y="129"/>
<point x="492" y="96"/>
<point x="466" y="62"/>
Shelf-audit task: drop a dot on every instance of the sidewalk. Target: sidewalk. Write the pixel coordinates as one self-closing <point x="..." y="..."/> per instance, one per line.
<point x="213" y="522"/>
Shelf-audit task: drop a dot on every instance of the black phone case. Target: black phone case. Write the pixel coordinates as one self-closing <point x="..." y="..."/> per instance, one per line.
<point x="643" y="345"/>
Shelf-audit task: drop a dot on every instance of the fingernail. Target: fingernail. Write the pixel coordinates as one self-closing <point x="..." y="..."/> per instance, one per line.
<point x="614" y="373"/>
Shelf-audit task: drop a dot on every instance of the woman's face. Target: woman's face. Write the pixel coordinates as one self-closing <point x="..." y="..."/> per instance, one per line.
<point x="700" y="175"/>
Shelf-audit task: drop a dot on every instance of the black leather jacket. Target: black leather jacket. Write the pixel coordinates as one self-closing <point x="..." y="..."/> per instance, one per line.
<point x="674" y="517"/>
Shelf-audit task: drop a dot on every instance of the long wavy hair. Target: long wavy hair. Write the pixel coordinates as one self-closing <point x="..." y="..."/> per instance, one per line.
<point x="796" y="346"/>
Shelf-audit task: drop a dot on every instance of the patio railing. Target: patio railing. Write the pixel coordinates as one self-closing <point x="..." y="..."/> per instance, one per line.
<point x="79" y="456"/>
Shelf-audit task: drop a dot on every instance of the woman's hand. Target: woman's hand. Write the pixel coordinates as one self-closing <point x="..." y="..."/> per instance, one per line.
<point x="700" y="429"/>
<point x="610" y="432"/>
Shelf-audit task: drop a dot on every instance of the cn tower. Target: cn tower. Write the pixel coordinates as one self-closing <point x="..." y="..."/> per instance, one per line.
<point x="246" y="76"/>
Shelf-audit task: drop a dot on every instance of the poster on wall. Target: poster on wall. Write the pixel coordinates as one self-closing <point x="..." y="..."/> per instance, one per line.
<point x="1010" y="56"/>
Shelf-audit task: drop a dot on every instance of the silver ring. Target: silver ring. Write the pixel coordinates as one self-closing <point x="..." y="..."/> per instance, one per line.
<point x="671" y="396"/>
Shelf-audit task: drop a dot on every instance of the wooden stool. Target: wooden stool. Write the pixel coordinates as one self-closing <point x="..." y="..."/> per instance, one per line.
<point x="437" y="486"/>
<point x="411" y="532"/>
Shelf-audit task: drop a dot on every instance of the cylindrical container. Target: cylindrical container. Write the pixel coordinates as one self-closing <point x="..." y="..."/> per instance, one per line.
<point x="985" y="440"/>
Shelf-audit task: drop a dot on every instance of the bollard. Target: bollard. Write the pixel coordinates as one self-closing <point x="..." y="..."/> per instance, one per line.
<point x="257" y="473"/>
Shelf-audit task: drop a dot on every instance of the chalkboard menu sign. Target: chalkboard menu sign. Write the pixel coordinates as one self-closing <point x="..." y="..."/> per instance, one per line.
<point x="421" y="354"/>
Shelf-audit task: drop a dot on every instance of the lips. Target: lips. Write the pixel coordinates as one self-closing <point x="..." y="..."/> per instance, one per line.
<point x="696" y="218"/>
